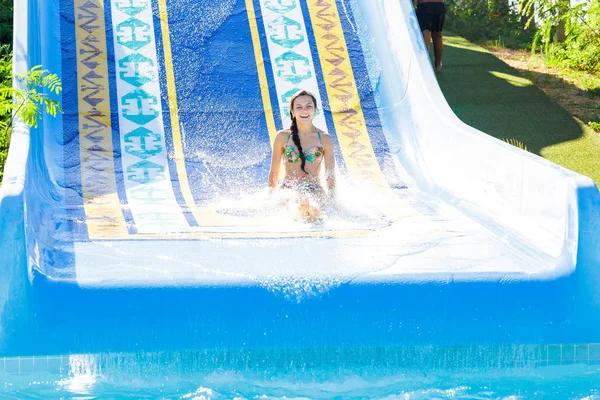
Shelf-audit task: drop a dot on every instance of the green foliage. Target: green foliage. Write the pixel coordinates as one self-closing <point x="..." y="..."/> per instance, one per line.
<point x="492" y="22"/>
<point x="580" y="49"/>
<point x="26" y="103"/>
<point x="6" y="19"/>
<point x="595" y="126"/>
<point x="5" y="82"/>
<point x="515" y="143"/>
<point x="579" y="55"/>
<point x="487" y="22"/>
<point x="29" y="101"/>
<point x="6" y="29"/>
<point x="593" y="92"/>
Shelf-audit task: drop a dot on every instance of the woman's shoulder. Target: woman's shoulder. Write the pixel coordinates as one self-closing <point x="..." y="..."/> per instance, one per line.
<point x="282" y="135"/>
<point x="324" y="135"/>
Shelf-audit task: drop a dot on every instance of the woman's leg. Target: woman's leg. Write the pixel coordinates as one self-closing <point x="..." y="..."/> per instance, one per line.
<point x="308" y="209"/>
<point x="309" y="202"/>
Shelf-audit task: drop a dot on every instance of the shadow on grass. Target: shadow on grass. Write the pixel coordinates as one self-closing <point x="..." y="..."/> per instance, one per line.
<point x="495" y="98"/>
<point x="584" y="104"/>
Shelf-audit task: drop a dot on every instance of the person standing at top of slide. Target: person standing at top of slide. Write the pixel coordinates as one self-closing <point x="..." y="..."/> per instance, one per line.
<point x="431" y="15"/>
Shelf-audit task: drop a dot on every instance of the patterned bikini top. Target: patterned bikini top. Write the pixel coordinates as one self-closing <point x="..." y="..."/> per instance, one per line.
<point x="312" y="155"/>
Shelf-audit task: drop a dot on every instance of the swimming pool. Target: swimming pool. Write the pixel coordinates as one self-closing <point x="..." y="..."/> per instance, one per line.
<point x="475" y="372"/>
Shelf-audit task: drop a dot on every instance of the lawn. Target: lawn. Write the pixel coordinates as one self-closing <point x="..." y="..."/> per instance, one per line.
<point x="504" y="102"/>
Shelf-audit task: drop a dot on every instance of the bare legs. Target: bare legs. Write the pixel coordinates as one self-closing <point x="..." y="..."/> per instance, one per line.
<point x="305" y="206"/>
<point x="427" y="38"/>
<point x="307" y="211"/>
<point x="438" y="49"/>
<point x="438" y="46"/>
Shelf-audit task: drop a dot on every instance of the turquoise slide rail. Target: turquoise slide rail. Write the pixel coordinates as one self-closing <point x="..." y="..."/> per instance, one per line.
<point x="141" y="211"/>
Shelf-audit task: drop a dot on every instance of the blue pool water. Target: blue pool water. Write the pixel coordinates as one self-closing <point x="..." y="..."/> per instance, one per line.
<point x="481" y="372"/>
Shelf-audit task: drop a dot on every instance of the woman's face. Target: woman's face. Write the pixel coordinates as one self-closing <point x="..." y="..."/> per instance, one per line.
<point x="304" y="109"/>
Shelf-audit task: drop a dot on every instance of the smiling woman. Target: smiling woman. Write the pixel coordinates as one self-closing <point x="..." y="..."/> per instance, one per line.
<point x="303" y="148"/>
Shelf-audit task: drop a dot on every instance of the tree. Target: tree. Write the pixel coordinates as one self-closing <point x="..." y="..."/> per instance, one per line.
<point x="6" y="21"/>
<point x="499" y="7"/>
<point x="557" y="18"/>
<point x="26" y="103"/>
<point x="563" y="9"/>
<point x="568" y="31"/>
<point x="528" y="19"/>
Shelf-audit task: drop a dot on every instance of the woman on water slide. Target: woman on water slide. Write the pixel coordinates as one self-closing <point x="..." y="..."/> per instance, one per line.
<point x="304" y="147"/>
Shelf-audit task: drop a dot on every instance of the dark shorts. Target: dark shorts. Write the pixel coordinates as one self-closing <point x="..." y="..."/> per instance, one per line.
<point x="431" y="16"/>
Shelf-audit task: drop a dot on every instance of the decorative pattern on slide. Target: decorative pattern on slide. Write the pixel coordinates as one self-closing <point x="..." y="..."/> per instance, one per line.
<point x="104" y="217"/>
<point x="149" y="192"/>
<point x="344" y="99"/>
<point x="289" y="51"/>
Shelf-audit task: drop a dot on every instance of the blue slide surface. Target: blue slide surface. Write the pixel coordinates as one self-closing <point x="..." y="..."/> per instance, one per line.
<point x="141" y="210"/>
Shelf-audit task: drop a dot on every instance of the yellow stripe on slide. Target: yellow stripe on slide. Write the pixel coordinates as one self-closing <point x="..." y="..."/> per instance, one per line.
<point x="262" y="75"/>
<point x="104" y="218"/>
<point x="348" y="117"/>
<point x="348" y="233"/>
<point x="262" y="78"/>
<point x="206" y="216"/>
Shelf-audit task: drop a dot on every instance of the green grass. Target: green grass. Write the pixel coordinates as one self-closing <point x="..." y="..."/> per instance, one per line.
<point x="577" y="91"/>
<point x="491" y="96"/>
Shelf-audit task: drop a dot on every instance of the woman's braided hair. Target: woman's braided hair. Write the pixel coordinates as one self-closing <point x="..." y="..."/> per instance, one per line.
<point x="294" y="126"/>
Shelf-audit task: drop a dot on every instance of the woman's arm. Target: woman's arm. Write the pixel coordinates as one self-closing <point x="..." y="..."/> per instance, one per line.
<point x="329" y="162"/>
<point x="276" y="159"/>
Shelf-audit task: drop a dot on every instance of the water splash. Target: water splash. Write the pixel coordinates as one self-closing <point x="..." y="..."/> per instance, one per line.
<point x="355" y="210"/>
<point x="83" y="374"/>
<point x="201" y="393"/>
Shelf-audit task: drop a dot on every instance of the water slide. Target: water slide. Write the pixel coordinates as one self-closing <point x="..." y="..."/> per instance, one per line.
<point x="141" y="211"/>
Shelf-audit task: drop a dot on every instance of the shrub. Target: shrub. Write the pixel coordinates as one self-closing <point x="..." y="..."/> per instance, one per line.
<point x="482" y="22"/>
<point x="27" y="103"/>
<point x="593" y="92"/>
<point x="580" y="49"/>
<point x="5" y="82"/>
